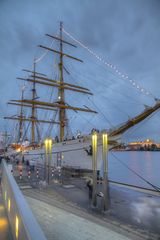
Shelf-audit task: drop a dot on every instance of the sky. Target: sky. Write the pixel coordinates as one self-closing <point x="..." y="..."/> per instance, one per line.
<point x="124" y="32"/>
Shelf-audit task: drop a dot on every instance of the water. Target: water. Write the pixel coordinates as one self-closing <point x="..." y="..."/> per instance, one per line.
<point x="146" y="164"/>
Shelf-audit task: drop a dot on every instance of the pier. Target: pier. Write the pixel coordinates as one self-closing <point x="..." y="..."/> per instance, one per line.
<point x="63" y="211"/>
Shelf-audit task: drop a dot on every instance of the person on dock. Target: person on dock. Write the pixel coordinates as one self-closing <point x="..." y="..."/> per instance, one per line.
<point x="27" y="165"/>
<point x="90" y="187"/>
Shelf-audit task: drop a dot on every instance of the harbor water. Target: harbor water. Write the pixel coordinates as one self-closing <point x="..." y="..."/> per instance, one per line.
<point x="144" y="163"/>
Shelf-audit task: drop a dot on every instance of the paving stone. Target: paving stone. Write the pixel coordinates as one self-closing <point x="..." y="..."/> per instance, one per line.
<point x="61" y="225"/>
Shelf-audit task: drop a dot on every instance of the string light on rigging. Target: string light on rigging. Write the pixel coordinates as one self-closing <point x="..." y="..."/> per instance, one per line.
<point x="36" y="60"/>
<point x="113" y="67"/>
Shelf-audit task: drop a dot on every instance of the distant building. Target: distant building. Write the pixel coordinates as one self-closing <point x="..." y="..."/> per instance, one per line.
<point x="134" y="145"/>
<point x="147" y="144"/>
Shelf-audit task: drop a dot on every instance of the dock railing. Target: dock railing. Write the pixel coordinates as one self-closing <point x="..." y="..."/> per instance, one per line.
<point x="22" y="221"/>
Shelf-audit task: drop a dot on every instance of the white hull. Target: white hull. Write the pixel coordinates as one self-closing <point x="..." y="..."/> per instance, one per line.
<point x="70" y="153"/>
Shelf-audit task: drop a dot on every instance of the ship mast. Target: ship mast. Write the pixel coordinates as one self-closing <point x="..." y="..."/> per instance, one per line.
<point x="33" y="106"/>
<point x="21" y="118"/>
<point x="61" y="85"/>
<point x="61" y="96"/>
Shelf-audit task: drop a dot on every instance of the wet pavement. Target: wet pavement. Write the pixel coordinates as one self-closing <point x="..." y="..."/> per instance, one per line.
<point x="130" y="211"/>
<point x="139" y="210"/>
<point x="129" y="208"/>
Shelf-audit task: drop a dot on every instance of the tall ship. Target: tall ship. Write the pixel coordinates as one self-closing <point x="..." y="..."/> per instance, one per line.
<point x="67" y="149"/>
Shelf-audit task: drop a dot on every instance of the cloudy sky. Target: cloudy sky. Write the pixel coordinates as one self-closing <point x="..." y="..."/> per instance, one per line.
<point x="124" y="32"/>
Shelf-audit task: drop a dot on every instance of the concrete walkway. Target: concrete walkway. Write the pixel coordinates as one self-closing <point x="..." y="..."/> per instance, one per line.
<point x="5" y="233"/>
<point x="61" y="225"/>
<point x="119" y="219"/>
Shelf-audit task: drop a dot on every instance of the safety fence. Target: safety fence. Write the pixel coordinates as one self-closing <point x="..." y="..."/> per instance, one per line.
<point x="22" y="221"/>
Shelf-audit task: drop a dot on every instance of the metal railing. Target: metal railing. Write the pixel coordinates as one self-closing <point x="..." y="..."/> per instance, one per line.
<point x="22" y="221"/>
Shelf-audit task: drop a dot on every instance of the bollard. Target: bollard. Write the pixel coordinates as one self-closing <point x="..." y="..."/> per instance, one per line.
<point x="52" y="172"/>
<point x="29" y="174"/>
<point x="37" y="173"/>
<point x="59" y="175"/>
<point x="20" y="174"/>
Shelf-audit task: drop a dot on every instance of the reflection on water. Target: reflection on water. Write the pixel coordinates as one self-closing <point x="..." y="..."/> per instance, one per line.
<point x="146" y="164"/>
<point x="149" y="163"/>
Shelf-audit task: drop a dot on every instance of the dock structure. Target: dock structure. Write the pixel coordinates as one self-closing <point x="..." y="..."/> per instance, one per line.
<point x="63" y="211"/>
<point x="51" y="218"/>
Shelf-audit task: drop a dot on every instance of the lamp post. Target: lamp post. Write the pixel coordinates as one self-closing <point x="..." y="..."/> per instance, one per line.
<point x="48" y="157"/>
<point x="94" y="168"/>
<point x="105" y="169"/>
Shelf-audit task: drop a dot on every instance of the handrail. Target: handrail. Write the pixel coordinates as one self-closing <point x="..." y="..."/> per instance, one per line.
<point x="22" y="221"/>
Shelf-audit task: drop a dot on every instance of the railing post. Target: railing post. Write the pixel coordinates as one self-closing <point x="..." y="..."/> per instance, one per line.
<point x="94" y="168"/>
<point x="105" y="170"/>
<point x="48" y="158"/>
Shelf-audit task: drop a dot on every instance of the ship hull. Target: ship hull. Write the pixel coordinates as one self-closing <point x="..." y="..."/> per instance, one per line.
<point x="73" y="153"/>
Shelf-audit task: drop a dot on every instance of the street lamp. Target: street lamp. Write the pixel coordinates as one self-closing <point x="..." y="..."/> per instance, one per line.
<point x="48" y="157"/>
<point x="94" y="168"/>
<point x="105" y="168"/>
